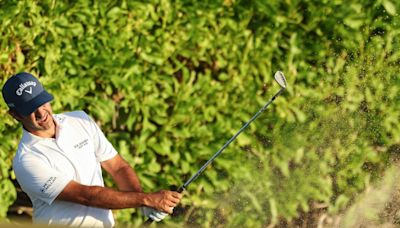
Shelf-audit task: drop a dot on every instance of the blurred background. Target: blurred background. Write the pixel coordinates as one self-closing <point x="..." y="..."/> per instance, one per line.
<point x="169" y="82"/>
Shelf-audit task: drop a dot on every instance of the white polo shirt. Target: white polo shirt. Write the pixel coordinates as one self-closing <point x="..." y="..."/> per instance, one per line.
<point x="44" y="166"/>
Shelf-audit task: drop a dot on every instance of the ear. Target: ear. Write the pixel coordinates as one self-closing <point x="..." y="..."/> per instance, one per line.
<point x="15" y="114"/>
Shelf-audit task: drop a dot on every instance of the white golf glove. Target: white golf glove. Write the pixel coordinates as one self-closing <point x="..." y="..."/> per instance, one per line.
<point x="153" y="214"/>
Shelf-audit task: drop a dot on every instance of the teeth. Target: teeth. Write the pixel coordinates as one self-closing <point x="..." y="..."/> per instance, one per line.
<point x="41" y="118"/>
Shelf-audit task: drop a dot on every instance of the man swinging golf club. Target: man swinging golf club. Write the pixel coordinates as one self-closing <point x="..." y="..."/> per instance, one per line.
<point x="59" y="164"/>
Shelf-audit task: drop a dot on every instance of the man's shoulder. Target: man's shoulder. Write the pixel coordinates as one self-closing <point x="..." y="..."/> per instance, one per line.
<point x="74" y="122"/>
<point x="25" y="155"/>
<point x="74" y="114"/>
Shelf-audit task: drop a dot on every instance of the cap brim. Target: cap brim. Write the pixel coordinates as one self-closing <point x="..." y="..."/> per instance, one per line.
<point x="28" y="107"/>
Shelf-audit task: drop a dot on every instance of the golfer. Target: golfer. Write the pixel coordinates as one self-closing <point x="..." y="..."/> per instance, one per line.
<point x="59" y="164"/>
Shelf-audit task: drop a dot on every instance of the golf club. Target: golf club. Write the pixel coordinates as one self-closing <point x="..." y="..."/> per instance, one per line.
<point x="281" y="80"/>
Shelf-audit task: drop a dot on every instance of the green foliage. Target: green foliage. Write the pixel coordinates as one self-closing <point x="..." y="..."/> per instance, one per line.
<point x="170" y="81"/>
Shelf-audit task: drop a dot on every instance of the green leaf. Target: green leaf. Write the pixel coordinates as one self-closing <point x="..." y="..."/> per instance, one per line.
<point x="389" y="7"/>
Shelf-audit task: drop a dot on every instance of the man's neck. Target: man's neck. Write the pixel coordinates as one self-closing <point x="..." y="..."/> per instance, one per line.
<point x="49" y="133"/>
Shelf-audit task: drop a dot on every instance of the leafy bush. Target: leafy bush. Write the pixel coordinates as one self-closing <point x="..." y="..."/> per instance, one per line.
<point x="170" y="81"/>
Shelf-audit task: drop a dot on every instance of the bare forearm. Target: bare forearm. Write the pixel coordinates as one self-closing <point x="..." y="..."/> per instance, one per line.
<point x="127" y="180"/>
<point x="122" y="174"/>
<point x="103" y="197"/>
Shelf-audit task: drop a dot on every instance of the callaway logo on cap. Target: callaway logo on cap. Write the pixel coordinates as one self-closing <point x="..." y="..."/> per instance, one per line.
<point x="23" y="86"/>
<point x="24" y="93"/>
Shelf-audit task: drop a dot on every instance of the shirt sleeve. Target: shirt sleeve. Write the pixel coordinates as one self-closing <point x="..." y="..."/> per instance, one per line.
<point x="38" y="179"/>
<point x="104" y="150"/>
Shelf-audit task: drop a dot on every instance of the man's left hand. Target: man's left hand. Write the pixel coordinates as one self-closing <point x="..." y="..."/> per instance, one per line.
<point x="154" y="214"/>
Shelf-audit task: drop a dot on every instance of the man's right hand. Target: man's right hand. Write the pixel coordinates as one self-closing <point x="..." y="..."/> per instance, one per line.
<point x="163" y="201"/>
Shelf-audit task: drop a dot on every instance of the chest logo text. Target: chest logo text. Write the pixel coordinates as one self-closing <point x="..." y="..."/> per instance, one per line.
<point x="81" y="144"/>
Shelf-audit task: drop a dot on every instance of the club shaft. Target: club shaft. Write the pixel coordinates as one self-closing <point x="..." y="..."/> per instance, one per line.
<point x="184" y="186"/>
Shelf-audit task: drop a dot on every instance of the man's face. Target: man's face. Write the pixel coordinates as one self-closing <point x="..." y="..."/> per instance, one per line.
<point x="39" y="121"/>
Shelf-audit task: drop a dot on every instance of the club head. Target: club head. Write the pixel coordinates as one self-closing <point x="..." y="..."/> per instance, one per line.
<point x="280" y="78"/>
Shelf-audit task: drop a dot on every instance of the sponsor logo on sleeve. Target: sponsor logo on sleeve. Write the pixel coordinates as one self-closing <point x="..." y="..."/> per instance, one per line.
<point x="48" y="184"/>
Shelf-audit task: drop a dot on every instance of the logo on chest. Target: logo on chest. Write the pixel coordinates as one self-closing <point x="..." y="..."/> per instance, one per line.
<point x="81" y="144"/>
